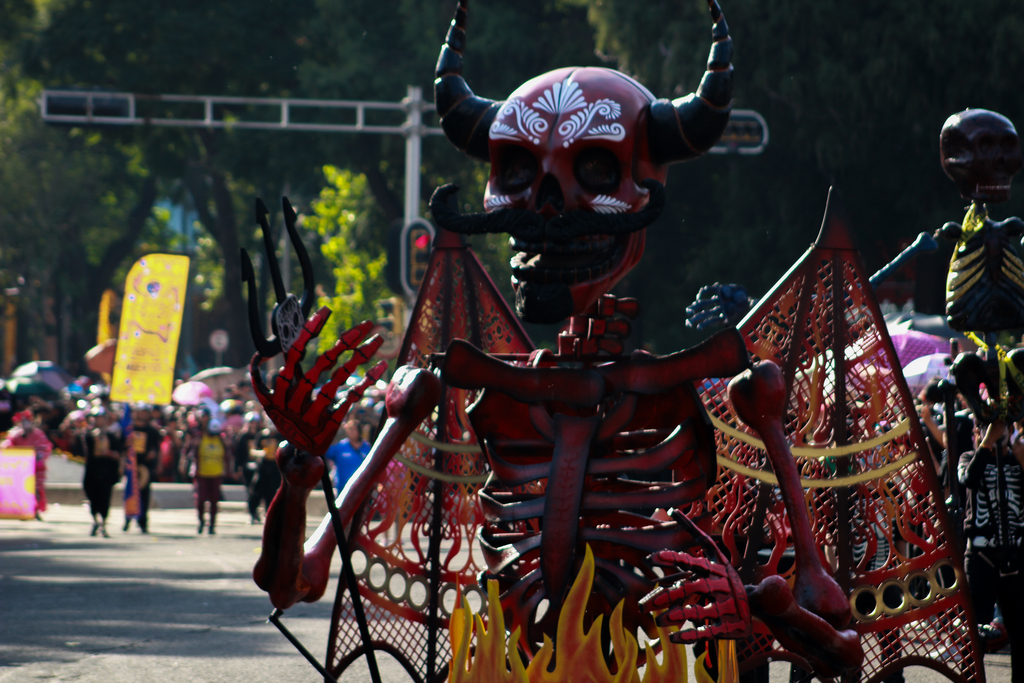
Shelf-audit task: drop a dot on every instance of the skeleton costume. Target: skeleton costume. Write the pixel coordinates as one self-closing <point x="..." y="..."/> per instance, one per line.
<point x="993" y="525"/>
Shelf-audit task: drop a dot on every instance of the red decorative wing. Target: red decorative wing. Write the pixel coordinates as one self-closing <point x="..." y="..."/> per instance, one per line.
<point x="407" y="544"/>
<point x="875" y="503"/>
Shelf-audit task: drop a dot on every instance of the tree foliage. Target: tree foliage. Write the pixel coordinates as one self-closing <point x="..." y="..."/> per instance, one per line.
<point x="342" y="216"/>
<point x="73" y="211"/>
<point x="854" y="93"/>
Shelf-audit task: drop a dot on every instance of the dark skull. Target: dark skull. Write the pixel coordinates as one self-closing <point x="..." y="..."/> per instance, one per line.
<point x="980" y="151"/>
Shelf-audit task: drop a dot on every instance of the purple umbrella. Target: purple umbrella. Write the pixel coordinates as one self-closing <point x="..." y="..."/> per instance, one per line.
<point x="911" y="344"/>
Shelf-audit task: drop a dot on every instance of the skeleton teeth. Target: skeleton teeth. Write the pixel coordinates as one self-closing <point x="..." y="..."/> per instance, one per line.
<point x="568" y="267"/>
<point x="588" y="245"/>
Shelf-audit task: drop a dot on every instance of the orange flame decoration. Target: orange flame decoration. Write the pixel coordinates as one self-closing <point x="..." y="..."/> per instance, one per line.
<point x="581" y="657"/>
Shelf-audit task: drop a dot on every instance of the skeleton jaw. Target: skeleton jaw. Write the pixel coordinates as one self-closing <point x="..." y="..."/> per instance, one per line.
<point x="991" y="193"/>
<point x="580" y="260"/>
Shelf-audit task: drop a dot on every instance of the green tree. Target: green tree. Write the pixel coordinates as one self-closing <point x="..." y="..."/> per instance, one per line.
<point x="73" y="212"/>
<point x="343" y="215"/>
<point x="193" y="47"/>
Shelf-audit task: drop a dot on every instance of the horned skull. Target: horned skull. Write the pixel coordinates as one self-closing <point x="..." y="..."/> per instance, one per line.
<point x="980" y="151"/>
<point x="578" y="159"/>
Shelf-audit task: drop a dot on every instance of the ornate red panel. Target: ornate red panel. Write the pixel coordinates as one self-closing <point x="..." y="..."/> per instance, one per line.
<point x="873" y="497"/>
<point x="409" y="538"/>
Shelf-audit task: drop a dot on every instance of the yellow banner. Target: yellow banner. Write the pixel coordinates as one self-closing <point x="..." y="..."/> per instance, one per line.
<point x="147" y="345"/>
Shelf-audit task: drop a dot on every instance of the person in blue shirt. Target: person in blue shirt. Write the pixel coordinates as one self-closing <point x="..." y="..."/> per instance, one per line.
<point x="347" y="455"/>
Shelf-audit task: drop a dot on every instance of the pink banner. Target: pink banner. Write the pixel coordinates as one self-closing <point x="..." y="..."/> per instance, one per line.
<point x="17" y="483"/>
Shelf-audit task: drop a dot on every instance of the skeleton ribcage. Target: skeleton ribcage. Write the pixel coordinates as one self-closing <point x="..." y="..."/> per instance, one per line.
<point x="985" y="285"/>
<point x="640" y="467"/>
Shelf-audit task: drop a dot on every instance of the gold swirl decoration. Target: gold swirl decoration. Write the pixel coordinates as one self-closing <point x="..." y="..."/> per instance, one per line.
<point x="815" y="452"/>
<point x="818" y="454"/>
<point x="443" y="476"/>
<point x="859" y="478"/>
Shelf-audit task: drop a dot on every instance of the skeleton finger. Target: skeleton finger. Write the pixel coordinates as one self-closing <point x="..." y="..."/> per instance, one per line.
<point x="715" y="611"/>
<point x="359" y="356"/>
<point x="729" y="629"/>
<point x="292" y="365"/>
<point x="345" y="343"/>
<point x="685" y="561"/>
<point x="310" y="330"/>
<point x="340" y="410"/>
<point x="356" y="392"/>
<point x="326" y="396"/>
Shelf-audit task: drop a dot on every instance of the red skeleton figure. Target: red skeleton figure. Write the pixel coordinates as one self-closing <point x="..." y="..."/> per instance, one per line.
<point x="578" y="157"/>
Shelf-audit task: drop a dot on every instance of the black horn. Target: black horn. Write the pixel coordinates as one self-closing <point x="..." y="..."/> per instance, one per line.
<point x="689" y="126"/>
<point x="308" y="283"/>
<point x="289" y="313"/>
<point x="266" y="347"/>
<point x="466" y="118"/>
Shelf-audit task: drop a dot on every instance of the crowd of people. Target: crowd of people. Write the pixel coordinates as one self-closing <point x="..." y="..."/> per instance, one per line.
<point x="232" y="441"/>
<point x="989" y="508"/>
<point x="210" y="444"/>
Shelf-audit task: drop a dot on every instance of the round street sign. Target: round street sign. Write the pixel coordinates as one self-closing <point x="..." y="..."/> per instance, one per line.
<point x="219" y="340"/>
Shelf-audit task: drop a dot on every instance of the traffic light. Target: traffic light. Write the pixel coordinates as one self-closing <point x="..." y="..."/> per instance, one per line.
<point x="416" y="245"/>
<point x="391" y="327"/>
<point x="394" y="315"/>
<point x="408" y="256"/>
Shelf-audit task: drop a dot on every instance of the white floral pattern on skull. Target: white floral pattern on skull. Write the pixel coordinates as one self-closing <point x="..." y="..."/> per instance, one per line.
<point x="518" y="121"/>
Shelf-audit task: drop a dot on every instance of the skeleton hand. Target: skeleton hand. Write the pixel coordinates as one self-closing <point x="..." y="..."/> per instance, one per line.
<point x="704" y="589"/>
<point x="307" y="421"/>
<point x="718" y="306"/>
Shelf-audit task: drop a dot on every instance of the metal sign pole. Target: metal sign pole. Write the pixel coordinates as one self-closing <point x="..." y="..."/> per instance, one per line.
<point x="414" y="130"/>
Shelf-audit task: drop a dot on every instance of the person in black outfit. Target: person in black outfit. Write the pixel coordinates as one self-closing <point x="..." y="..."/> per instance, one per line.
<point x="993" y="525"/>
<point x="102" y="450"/>
<point x="245" y="442"/>
<point x="267" y="479"/>
<point x="6" y="410"/>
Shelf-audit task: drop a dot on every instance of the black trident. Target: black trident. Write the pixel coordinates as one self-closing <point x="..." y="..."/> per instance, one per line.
<point x="286" y="320"/>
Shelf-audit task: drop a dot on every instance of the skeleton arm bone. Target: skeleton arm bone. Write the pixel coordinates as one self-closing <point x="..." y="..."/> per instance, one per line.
<point x="809" y="619"/>
<point x="290" y="572"/>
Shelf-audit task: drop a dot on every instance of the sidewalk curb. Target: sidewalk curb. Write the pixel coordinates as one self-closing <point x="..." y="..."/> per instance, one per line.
<point x="165" y="496"/>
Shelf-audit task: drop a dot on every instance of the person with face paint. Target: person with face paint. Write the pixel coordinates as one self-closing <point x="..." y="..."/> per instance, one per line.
<point x="27" y="435"/>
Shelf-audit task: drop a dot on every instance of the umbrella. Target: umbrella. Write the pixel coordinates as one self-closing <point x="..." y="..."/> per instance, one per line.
<point x="100" y="358"/>
<point x="25" y="386"/>
<point x="920" y="371"/>
<point x="44" y="371"/>
<point x="219" y="378"/>
<point x="911" y="344"/>
<point x="190" y="393"/>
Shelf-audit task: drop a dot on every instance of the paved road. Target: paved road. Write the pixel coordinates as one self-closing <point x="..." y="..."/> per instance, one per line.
<point x="170" y="607"/>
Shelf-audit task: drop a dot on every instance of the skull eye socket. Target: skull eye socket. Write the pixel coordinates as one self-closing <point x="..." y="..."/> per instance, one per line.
<point x="517" y="170"/>
<point x="597" y="170"/>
